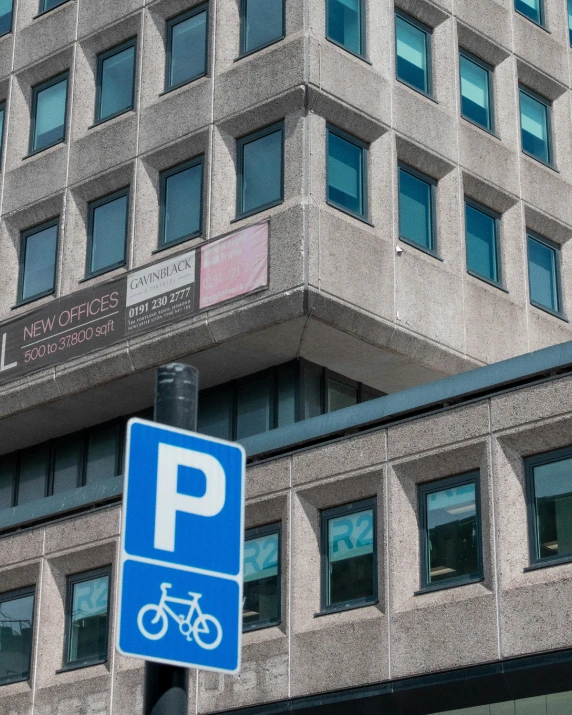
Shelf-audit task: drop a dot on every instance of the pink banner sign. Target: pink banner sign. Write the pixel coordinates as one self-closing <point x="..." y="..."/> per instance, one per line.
<point x="235" y="265"/>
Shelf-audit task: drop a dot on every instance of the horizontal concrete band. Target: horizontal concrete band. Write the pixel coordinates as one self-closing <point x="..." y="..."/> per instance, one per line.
<point x="480" y="383"/>
<point x="510" y="679"/>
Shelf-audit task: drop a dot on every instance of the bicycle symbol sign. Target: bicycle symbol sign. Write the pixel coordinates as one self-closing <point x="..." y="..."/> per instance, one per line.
<point x="180" y="586"/>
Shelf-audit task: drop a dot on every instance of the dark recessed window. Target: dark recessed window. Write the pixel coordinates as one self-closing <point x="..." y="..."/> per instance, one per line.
<point x="6" y="8"/>
<point x="38" y="256"/>
<point x="417" y="209"/>
<point x="482" y="242"/>
<point x="187" y="47"/>
<point x="450" y="523"/>
<point x="549" y="490"/>
<point x="347" y="172"/>
<point x="349" y="555"/>
<point x="476" y="91"/>
<point x="345" y="24"/>
<point x="261" y="577"/>
<point x="16" y="634"/>
<point x="115" y="81"/>
<point x="181" y="202"/>
<point x="49" y="104"/>
<point x="107" y="233"/>
<point x="535" y="126"/>
<point x="544" y="273"/>
<point x="260" y="170"/>
<point x="261" y="24"/>
<point x="46" y="5"/>
<point x="87" y="618"/>
<point x="532" y="9"/>
<point x="413" y="51"/>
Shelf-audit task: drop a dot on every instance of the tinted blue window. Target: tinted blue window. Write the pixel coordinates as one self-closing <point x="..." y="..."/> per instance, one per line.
<point x="570" y="21"/>
<point x="543" y="275"/>
<point x="39" y="262"/>
<point x="345" y="24"/>
<point x="182" y="207"/>
<point x="346" y="167"/>
<point x="481" y="240"/>
<point x="261" y="161"/>
<point x="475" y="92"/>
<point x="49" y="4"/>
<point x="532" y="9"/>
<point x="416" y="210"/>
<point x="16" y="627"/>
<point x="534" y="123"/>
<point x="5" y="16"/>
<point x="108" y="234"/>
<point x="412" y="49"/>
<point x="262" y="23"/>
<point x="117" y="82"/>
<point x="49" y="114"/>
<point x="188" y="48"/>
<point x="2" y="115"/>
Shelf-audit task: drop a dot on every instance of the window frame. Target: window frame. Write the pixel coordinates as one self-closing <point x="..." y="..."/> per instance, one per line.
<point x="164" y="176"/>
<point x="241" y="142"/>
<point x="13" y="595"/>
<point x="351" y="139"/>
<point x="170" y="24"/>
<point x="490" y="70"/>
<point x="325" y="516"/>
<point x="91" y="207"/>
<point x="71" y="581"/>
<point x="428" y="51"/>
<point x="433" y="183"/>
<point x="36" y="89"/>
<point x="498" y="252"/>
<point x="439" y="485"/>
<point x="542" y="13"/>
<point x="24" y="235"/>
<point x="101" y="57"/>
<point x="362" y="30"/>
<point x="556" y="248"/>
<point x="43" y="10"/>
<point x="255" y="533"/>
<point x="523" y="89"/>
<point x="243" y="52"/>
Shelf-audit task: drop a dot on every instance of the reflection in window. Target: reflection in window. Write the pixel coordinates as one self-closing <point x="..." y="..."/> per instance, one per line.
<point x="262" y="23"/>
<point x="345" y="20"/>
<point x="532" y="9"/>
<point x="187" y="47"/>
<point x="482" y="243"/>
<point x="262" y="577"/>
<point x="116" y="81"/>
<point x="87" y="618"/>
<point x="476" y="92"/>
<point x="451" y="530"/>
<point x="413" y="47"/>
<point x="416" y="207"/>
<point x="49" y="102"/>
<point x="544" y="274"/>
<point x="107" y="234"/>
<point x="260" y="170"/>
<point x="16" y="631"/>
<point x="38" y="261"/>
<point x="535" y="126"/>
<point x="6" y="7"/>
<point x="347" y="167"/>
<point x="181" y="202"/>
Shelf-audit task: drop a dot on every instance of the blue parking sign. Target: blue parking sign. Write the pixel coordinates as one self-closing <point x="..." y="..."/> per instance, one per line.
<point x="180" y="584"/>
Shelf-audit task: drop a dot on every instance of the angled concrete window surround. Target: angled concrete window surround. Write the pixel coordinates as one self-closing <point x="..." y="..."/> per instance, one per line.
<point x="477" y="99"/>
<point x="535" y="124"/>
<point x="187" y="47"/>
<point x="115" y="92"/>
<point x="181" y="202"/>
<point x="38" y="260"/>
<point x="417" y="220"/>
<point x="107" y="233"/>
<point x="346" y="169"/>
<point x="260" y="170"/>
<point x="6" y="10"/>
<point x="413" y="53"/>
<point x="345" y="25"/>
<point x="531" y="9"/>
<point x="49" y="112"/>
<point x="17" y="628"/>
<point x="482" y="227"/>
<point x="262" y="577"/>
<point x="262" y="22"/>
<point x="544" y="274"/>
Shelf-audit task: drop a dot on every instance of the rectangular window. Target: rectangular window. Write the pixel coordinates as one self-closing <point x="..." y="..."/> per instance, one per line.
<point x="181" y="202"/>
<point x="107" y="233"/>
<point x="482" y="242"/>
<point x="38" y="254"/>
<point x="549" y="491"/>
<point x="345" y="23"/>
<point x="260" y="170"/>
<point x="532" y="9"/>
<point x="261" y="577"/>
<point x="32" y="475"/>
<point x="115" y="81"/>
<point x="413" y="51"/>
<point x="535" y="126"/>
<point x="261" y="24"/>
<point x="49" y="109"/>
<point x="16" y="634"/>
<point x="187" y="43"/>
<point x="450" y="528"/>
<point x="476" y="91"/>
<point x="7" y="481"/>
<point x="417" y="209"/>
<point x="103" y="454"/>
<point x="544" y="274"/>
<point x="346" y="168"/>
<point x="67" y="465"/>
<point x="340" y="394"/>
<point x="254" y="407"/>
<point x="87" y="618"/>
<point x="6" y="7"/>
<point x="349" y="555"/>
<point x="2" y="117"/>
<point x="46" y="5"/>
<point x="570" y="21"/>
<point x="216" y="413"/>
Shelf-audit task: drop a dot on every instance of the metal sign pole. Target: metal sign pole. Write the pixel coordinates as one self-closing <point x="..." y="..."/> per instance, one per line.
<point x="176" y="401"/>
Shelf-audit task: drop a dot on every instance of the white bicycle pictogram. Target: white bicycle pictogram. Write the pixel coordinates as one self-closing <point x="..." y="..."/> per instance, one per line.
<point x="153" y="622"/>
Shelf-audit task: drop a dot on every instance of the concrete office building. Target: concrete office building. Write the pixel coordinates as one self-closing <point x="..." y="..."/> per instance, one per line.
<point x="322" y="204"/>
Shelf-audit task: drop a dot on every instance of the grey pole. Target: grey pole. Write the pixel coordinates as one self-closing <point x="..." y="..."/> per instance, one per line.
<point x="176" y="400"/>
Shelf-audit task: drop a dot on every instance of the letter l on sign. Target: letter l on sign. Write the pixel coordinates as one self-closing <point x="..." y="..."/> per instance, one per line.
<point x="170" y="500"/>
